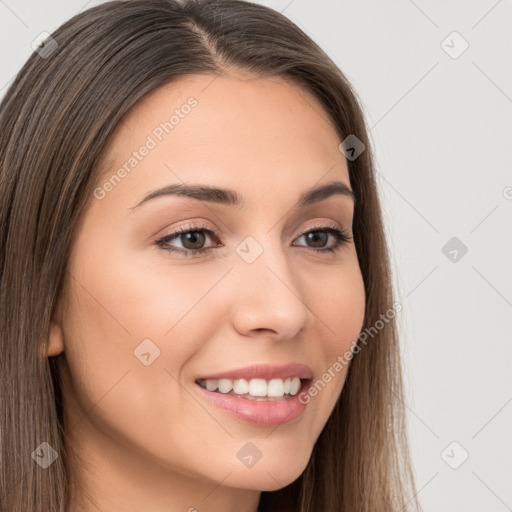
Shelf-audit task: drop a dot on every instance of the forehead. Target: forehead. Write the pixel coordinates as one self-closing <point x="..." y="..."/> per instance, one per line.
<point x="231" y="130"/>
<point x="230" y="95"/>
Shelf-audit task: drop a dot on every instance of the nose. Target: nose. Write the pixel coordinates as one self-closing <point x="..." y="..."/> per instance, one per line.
<point x="268" y="298"/>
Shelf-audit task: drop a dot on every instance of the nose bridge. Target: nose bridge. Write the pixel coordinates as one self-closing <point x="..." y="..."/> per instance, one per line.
<point x="268" y="295"/>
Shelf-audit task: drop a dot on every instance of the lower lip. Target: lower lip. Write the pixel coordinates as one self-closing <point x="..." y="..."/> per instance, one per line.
<point x="259" y="412"/>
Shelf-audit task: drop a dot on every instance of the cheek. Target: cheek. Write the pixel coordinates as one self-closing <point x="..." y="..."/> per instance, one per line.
<point x="124" y="313"/>
<point x="131" y="297"/>
<point x="110" y="314"/>
<point x="339" y="304"/>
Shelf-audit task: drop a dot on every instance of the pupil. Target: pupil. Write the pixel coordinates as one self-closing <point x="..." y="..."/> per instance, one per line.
<point x="192" y="237"/>
<point x="315" y="235"/>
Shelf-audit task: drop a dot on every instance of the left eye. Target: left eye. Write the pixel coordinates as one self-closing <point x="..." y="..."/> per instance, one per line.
<point x="193" y="239"/>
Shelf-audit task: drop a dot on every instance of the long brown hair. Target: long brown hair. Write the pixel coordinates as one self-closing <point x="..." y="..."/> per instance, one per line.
<point x="55" y="121"/>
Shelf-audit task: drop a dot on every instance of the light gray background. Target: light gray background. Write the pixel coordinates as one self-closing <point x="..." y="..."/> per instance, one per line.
<point x="441" y="129"/>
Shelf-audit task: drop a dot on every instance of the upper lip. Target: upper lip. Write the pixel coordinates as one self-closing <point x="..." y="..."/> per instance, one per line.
<point x="264" y="371"/>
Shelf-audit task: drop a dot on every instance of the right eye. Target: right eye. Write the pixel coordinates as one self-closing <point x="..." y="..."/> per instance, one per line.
<point x="192" y="236"/>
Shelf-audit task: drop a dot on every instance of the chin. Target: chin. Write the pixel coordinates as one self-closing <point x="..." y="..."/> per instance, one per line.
<point x="272" y="474"/>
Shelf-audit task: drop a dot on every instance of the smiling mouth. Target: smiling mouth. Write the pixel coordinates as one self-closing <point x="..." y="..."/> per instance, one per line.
<point x="259" y="390"/>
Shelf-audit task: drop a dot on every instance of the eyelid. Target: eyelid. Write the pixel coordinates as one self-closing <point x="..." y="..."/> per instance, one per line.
<point x="321" y="225"/>
<point x="342" y="236"/>
<point x="200" y="226"/>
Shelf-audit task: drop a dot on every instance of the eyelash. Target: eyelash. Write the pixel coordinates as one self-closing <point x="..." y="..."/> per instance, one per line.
<point x="341" y="236"/>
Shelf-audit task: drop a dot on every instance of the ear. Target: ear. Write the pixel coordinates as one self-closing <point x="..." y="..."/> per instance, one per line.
<point x="56" y="335"/>
<point x="55" y="340"/>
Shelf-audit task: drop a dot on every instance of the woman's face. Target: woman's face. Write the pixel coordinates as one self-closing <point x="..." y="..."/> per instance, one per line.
<point x="141" y="321"/>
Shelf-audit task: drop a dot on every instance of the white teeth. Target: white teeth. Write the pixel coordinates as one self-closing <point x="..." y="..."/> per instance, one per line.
<point x="258" y="387"/>
<point x="272" y="388"/>
<point x="294" y="385"/>
<point x="225" y="385"/>
<point x="240" y="386"/>
<point x="212" y="384"/>
<point x="275" y="387"/>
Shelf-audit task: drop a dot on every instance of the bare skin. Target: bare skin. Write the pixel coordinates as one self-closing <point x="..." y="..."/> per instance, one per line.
<point x="143" y="437"/>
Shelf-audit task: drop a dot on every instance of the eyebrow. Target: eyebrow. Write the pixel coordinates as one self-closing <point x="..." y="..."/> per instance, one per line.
<point x="232" y="198"/>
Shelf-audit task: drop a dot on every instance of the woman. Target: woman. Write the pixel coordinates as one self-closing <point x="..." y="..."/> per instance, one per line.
<point x="196" y="300"/>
